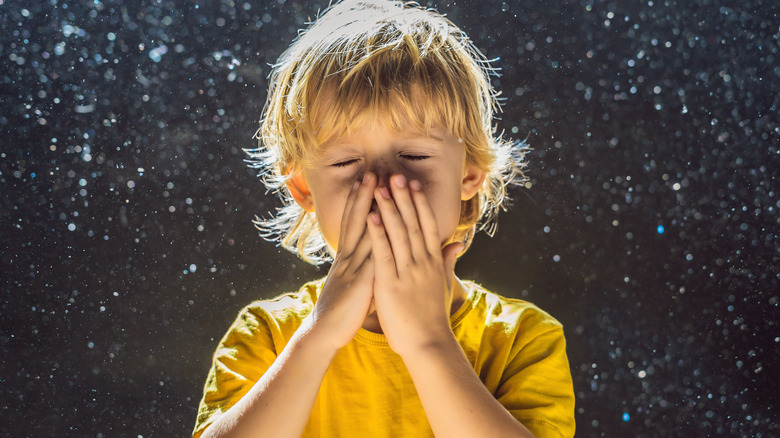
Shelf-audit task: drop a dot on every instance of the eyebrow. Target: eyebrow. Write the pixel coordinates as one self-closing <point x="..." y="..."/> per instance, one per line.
<point x="424" y="137"/>
<point x="419" y="136"/>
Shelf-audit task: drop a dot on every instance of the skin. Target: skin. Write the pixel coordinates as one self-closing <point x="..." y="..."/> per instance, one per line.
<point x="386" y="211"/>
<point x="436" y="161"/>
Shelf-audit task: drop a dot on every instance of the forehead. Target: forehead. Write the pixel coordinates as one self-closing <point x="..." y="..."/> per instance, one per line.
<point x="376" y="132"/>
<point x="337" y="114"/>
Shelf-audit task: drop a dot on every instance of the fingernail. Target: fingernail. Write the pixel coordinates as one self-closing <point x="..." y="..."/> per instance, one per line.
<point x="355" y="186"/>
<point x="385" y="193"/>
<point x="375" y="218"/>
<point x="415" y="185"/>
<point x="366" y="178"/>
<point x="399" y="180"/>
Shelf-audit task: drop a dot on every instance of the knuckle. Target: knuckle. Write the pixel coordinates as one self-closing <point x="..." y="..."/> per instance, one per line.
<point x="415" y="231"/>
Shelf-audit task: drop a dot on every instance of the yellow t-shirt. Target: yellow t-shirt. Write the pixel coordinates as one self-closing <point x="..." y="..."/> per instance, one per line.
<point x="516" y="349"/>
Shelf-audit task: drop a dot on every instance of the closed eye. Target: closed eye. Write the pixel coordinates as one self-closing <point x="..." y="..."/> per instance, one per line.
<point x="345" y="163"/>
<point x="414" y="157"/>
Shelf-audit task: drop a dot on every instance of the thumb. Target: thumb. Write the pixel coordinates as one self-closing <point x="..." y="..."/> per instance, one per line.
<point x="450" y="256"/>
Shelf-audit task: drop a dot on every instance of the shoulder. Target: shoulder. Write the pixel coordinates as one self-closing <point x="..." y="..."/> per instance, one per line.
<point x="510" y="312"/>
<point x="523" y="349"/>
<point x="279" y="317"/>
<point x="287" y="306"/>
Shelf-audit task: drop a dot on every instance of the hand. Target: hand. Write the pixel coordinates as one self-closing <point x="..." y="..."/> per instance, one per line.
<point x="347" y="294"/>
<point x="412" y="274"/>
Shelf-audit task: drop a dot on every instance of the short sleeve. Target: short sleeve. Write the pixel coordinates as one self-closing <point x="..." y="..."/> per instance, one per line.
<point x="536" y="386"/>
<point x="241" y="358"/>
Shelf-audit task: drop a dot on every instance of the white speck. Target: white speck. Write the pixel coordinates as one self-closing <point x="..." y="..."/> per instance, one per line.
<point x="157" y="53"/>
<point x="84" y="109"/>
<point x="71" y="227"/>
<point x="193" y="268"/>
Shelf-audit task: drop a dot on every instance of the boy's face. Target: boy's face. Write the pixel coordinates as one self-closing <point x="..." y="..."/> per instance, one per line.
<point x="436" y="159"/>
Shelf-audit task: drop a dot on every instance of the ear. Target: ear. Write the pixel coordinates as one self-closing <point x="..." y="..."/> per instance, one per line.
<point x="299" y="189"/>
<point x="473" y="177"/>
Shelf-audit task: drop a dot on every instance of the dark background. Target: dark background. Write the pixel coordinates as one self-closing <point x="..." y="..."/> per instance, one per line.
<point x="650" y="229"/>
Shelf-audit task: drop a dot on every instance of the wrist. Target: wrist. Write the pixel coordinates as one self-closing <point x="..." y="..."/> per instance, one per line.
<point x="438" y="342"/>
<point x="316" y="336"/>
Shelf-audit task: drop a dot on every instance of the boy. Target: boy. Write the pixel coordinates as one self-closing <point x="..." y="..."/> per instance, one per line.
<point x="377" y="135"/>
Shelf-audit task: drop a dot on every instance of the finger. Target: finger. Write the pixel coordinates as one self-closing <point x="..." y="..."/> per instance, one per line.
<point x="345" y="216"/>
<point x="427" y="220"/>
<point x="381" y="253"/>
<point x="405" y="206"/>
<point x="394" y="228"/>
<point x="362" y="253"/>
<point x="365" y="272"/>
<point x="450" y="256"/>
<point x="354" y="220"/>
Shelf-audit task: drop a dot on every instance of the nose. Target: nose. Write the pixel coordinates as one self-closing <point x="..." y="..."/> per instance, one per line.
<point x="383" y="179"/>
<point x="383" y="169"/>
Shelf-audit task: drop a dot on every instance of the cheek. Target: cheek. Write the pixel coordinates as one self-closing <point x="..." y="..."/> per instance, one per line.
<point x="330" y="187"/>
<point x="329" y="203"/>
<point x="437" y="185"/>
<point x="442" y="185"/>
<point x="428" y="176"/>
<point x="443" y="195"/>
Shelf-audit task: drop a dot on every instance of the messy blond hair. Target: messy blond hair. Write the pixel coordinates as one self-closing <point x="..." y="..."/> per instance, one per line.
<point x="397" y="63"/>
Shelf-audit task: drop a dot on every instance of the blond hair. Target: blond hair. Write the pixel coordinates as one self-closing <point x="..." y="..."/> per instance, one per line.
<point x="396" y="62"/>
